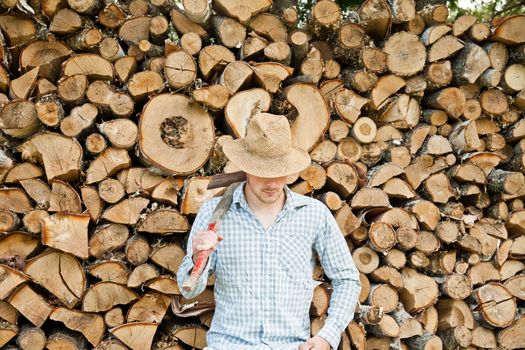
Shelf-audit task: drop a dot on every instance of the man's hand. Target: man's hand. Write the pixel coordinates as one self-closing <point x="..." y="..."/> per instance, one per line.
<point x="205" y="240"/>
<point x="315" y="343"/>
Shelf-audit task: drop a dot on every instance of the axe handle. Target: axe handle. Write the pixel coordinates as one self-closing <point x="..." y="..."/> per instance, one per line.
<point x="199" y="266"/>
<point x="226" y="179"/>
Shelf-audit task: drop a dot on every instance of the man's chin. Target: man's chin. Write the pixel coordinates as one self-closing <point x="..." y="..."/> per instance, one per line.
<point x="269" y="198"/>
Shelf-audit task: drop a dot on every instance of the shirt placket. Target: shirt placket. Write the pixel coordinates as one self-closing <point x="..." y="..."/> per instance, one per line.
<point x="268" y="282"/>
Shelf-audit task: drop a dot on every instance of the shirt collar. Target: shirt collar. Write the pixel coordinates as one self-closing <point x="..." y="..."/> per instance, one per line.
<point x="293" y="200"/>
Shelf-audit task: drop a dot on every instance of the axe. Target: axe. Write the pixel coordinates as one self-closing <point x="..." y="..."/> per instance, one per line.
<point x="202" y="258"/>
<point x="226" y="179"/>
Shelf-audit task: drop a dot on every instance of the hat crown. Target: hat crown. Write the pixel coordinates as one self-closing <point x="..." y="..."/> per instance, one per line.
<point x="268" y="136"/>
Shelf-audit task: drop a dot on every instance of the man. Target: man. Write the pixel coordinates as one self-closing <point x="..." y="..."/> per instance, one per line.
<point x="263" y="254"/>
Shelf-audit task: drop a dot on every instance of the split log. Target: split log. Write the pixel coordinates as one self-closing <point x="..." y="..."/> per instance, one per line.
<point x="414" y="296"/>
<point x="12" y="278"/>
<point x="103" y="296"/>
<point x="30" y="304"/>
<point x="150" y="308"/>
<point x="90" y="325"/>
<point x="136" y="335"/>
<point x="482" y="336"/>
<point x="242" y="106"/>
<point x="59" y="273"/>
<point x="512" y="337"/>
<point x="453" y="313"/>
<point x="142" y="274"/>
<point x="168" y="256"/>
<point x="114" y="317"/>
<point x="408" y="326"/>
<point x="109" y="270"/>
<point x="67" y="232"/>
<point x="387" y="327"/>
<point x="376" y="18"/>
<point x="7" y="332"/>
<point x="495" y="304"/>
<point x="470" y="63"/>
<point x="63" y="197"/>
<point x="49" y="148"/>
<point x="164" y="284"/>
<point x="305" y="123"/>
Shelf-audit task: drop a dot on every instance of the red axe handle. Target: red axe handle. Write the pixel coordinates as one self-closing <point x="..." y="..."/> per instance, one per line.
<point x="199" y="266"/>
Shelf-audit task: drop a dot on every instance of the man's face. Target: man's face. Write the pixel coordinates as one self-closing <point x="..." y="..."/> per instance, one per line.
<point x="266" y="190"/>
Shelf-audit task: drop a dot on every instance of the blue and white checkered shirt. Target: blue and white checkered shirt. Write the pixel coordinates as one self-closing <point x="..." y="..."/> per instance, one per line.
<point x="264" y="285"/>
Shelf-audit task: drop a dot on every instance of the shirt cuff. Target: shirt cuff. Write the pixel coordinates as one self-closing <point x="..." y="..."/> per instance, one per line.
<point x="331" y="333"/>
<point x="201" y="282"/>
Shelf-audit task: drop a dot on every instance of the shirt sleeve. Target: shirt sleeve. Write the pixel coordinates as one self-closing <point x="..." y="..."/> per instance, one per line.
<point x="340" y="268"/>
<point x="200" y="223"/>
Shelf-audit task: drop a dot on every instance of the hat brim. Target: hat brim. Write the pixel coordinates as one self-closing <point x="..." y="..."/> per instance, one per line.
<point x="290" y="163"/>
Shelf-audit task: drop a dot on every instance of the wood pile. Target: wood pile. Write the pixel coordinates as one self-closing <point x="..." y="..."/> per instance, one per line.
<point x="112" y="119"/>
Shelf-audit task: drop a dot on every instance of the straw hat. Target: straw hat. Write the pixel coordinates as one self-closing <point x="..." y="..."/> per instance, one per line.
<point x="266" y="150"/>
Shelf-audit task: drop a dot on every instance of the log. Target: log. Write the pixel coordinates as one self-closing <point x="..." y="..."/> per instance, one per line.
<point x="137" y="250"/>
<point x="49" y="110"/>
<point x="469" y="64"/>
<point x="114" y="317"/>
<point x="63" y="197"/>
<point x="412" y="295"/>
<point x="59" y="273"/>
<point x="47" y="148"/>
<point x="502" y="307"/>
<point x="30" y="304"/>
<point x="136" y="335"/>
<point x="386" y="86"/>
<point x="168" y="256"/>
<point x="13" y="124"/>
<point x="382" y="237"/>
<point x="142" y="274"/>
<point x="90" y="325"/>
<point x="31" y="338"/>
<point x="103" y="296"/>
<point x="406" y="54"/>
<point x="174" y="145"/>
<point x="383" y="296"/>
<point x="67" y="232"/>
<point x="376" y="18"/>
<point x="109" y="270"/>
<point x="366" y="259"/>
<point x="408" y="326"/>
<point x="150" y="308"/>
<point x="364" y="130"/>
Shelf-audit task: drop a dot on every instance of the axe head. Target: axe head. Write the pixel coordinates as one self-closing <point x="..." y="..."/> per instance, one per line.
<point x="226" y="179"/>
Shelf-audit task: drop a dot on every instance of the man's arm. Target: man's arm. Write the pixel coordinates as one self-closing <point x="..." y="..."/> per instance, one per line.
<point x="200" y="223"/>
<point x="339" y="267"/>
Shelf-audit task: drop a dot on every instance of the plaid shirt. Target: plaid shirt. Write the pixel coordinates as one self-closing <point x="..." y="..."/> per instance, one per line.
<point x="264" y="286"/>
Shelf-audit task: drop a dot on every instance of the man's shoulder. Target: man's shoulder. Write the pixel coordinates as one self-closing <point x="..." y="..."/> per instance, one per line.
<point x="209" y="205"/>
<point x="310" y="202"/>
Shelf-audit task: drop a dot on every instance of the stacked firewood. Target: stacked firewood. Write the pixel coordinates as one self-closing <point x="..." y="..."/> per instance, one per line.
<point x="112" y="119"/>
